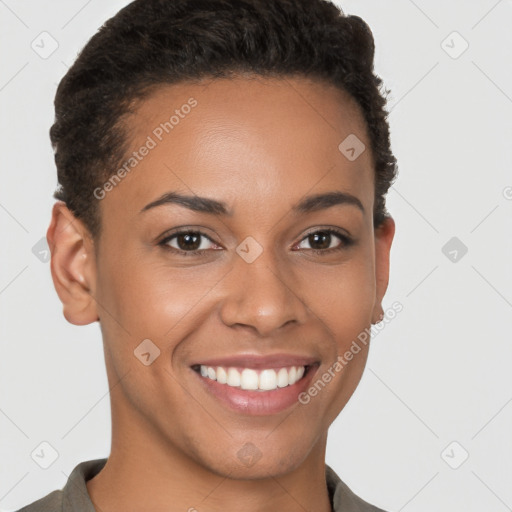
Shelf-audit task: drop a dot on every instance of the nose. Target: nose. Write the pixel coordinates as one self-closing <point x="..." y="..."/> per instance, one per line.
<point x="262" y="296"/>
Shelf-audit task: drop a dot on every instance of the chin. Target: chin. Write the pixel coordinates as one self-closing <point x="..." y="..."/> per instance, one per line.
<point x="260" y="458"/>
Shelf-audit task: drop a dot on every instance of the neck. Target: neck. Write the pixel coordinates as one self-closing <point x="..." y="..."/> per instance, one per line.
<point x="146" y="472"/>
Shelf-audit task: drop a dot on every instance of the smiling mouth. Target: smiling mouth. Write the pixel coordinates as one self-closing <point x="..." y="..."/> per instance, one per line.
<point x="265" y="379"/>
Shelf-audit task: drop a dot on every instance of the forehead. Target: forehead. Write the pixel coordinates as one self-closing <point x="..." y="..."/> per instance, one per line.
<point x="252" y="141"/>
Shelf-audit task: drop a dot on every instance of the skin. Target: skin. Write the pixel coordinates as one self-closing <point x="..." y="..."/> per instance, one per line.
<point x="259" y="145"/>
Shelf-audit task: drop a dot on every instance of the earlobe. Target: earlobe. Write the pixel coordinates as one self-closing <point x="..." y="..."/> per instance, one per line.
<point x="383" y="238"/>
<point x="378" y="314"/>
<point x="72" y="265"/>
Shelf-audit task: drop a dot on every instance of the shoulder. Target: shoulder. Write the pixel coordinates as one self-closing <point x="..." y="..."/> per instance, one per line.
<point x="52" y="502"/>
<point x="73" y="496"/>
<point x="343" y="499"/>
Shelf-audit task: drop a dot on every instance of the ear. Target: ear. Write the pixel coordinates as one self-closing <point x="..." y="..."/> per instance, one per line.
<point x="72" y="265"/>
<point x="383" y="237"/>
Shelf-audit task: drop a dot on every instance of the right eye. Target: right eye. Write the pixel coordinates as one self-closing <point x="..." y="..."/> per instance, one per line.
<point x="187" y="243"/>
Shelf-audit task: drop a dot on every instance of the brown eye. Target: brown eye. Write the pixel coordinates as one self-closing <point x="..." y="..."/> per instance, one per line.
<point x="188" y="242"/>
<point x="321" y="241"/>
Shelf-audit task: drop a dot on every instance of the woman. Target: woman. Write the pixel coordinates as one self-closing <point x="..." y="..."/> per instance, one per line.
<point x="223" y="167"/>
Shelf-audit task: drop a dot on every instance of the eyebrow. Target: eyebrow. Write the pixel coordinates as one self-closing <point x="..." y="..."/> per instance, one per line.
<point x="211" y="206"/>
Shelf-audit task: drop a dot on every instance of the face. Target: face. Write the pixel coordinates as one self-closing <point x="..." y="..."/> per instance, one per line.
<point x="271" y="261"/>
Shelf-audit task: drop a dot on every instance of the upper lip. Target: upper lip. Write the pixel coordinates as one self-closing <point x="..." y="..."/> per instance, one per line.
<point x="259" y="361"/>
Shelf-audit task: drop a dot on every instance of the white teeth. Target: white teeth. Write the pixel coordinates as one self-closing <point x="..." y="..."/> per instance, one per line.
<point x="233" y="377"/>
<point x="282" y="378"/>
<point x="268" y="380"/>
<point x="250" y="379"/>
<point x="222" y="376"/>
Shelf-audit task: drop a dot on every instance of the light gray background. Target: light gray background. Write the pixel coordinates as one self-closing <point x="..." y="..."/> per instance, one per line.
<point x="438" y="373"/>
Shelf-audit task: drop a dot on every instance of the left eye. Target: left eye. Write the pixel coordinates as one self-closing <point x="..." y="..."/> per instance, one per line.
<point x="323" y="240"/>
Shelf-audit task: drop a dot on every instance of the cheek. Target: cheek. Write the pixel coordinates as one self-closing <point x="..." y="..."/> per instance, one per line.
<point x="343" y="296"/>
<point x="148" y="300"/>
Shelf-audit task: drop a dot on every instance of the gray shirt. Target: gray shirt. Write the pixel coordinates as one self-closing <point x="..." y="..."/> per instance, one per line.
<point x="73" y="497"/>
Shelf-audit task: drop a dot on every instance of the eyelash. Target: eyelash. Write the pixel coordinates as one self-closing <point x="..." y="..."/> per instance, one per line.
<point x="346" y="242"/>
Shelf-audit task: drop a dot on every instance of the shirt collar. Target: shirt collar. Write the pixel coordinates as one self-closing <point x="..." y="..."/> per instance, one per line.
<point x="75" y="494"/>
<point x="76" y="497"/>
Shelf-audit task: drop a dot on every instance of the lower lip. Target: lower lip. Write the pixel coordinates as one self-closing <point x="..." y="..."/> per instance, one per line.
<point x="258" y="402"/>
